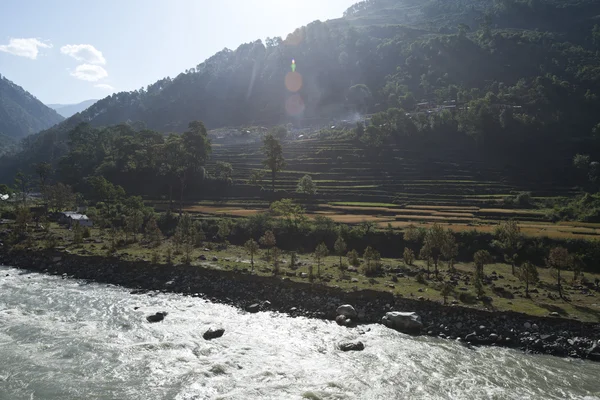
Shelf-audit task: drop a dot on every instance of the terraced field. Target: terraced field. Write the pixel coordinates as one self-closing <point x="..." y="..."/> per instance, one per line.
<point x="344" y="173"/>
<point x="354" y="187"/>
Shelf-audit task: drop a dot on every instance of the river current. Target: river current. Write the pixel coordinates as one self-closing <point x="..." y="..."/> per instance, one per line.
<point x="68" y="339"/>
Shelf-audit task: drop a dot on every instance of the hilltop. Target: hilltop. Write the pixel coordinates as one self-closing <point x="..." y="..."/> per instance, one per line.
<point x="21" y="114"/>
<point x="522" y="74"/>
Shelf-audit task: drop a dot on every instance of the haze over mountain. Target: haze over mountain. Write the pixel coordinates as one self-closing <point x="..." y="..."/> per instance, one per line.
<point x="518" y="73"/>
<point x="67" y="110"/>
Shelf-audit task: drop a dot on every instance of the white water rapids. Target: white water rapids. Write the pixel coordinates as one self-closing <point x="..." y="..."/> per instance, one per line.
<point x="67" y="339"/>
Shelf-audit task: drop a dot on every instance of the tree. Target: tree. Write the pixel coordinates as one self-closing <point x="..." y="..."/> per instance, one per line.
<point x="359" y="97"/>
<point x="134" y="222"/>
<point x="510" y="241"/>
<point x="372" y="259"/>
<point x="306" y="186"/>
<point x="23" y="185"/>
<point x="320" y="253"/>
<point x="413" y="234"/>
<point x="224" y="171"/>
<point x="353" y="258"/>
<point x="408" y="256"/>
<point x="276" y="259"/>
<point x="293" y="214"/>
<point x="274" y="160"/>
<point x="279" y="132"/>
<point x="447" y="289"/>
<point x="256" y="177"/>
<point x="581" y="161"/>
<point x="60" y="197"/>
<point x="252" y="248"/>
<point x="268" y="240"/>
<point x="43" y="170"/>
<point x="340" y="249"/>
<point x="481" y="258"/>
<point x="478" y="282"/>
<point x="558" y="260"/>
<point x="438" y="243"/>
<point x="528" y="274"/>
<point x="152" y="232"/>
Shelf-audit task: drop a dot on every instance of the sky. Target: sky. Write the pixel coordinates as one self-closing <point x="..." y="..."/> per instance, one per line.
<point x="68" y="51"/>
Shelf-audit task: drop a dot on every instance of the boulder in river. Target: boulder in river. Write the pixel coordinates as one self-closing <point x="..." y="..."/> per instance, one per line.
<point x="159" y="316"/>
<point x="213" y="333"/>
<point x="340" y="320"/>
<point x="347" y="311"/>
<point x="406" y="322"/>
<point x="253" y="308"/>
<point x="352" y="346"/>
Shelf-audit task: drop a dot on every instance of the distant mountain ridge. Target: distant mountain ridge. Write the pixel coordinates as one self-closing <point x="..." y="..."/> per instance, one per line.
<point x="512" y="78"/>
<point x="21" y="113"/>
<point x="68" y="110"/>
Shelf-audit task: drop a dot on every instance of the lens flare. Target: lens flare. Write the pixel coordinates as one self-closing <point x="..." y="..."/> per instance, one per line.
<point x="293" y="65"/>
<point x="294" y="105"/>
<point x="293" y="81"/>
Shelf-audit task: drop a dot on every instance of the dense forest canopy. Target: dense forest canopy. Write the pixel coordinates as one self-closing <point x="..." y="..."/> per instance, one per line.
<point x="21" y="114"/>
<point x="503" y="75"/>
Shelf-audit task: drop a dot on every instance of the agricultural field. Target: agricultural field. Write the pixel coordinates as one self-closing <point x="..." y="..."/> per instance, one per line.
<point x="354" y="187"/>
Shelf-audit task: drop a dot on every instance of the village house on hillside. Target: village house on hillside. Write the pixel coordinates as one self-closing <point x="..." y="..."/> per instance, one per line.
<point x="72" y="217"/>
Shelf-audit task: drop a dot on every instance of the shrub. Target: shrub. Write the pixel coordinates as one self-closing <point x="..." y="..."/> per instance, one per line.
<point x="353" y="258"/>
<point x="372" y="261"/>
<point x="86" y="232"/>
<point x="421" y="278"/>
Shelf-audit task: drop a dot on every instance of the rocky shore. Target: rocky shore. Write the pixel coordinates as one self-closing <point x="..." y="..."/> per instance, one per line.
<point x="547" y="335"/>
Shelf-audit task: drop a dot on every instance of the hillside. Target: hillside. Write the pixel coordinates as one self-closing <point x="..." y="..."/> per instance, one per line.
<point x="68" y="110"/>
<point x="21" y="114"/>
<point x="511" y="81"/>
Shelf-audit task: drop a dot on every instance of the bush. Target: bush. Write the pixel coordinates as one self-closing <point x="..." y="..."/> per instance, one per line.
<point x="50" y="242"/>
<point x="467" y="298"/>
<point x="421" y="278"/>
<point x="87" y="233"/>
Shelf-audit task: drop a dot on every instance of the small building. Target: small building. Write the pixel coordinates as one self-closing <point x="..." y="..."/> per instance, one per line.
<point x="71" y="217"/>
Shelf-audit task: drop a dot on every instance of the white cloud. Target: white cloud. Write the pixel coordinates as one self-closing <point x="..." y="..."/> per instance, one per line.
<point x="85" y="53"/>
<point x="104" y="86"/>
<point x="88" y="72"/>
<point x="25" y="47"/>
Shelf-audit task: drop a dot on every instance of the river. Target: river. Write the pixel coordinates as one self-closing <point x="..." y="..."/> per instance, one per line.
<point x="68" y="339"/>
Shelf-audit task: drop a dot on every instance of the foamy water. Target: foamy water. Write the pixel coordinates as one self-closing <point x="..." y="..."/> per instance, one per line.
<point x="67" y="339"/>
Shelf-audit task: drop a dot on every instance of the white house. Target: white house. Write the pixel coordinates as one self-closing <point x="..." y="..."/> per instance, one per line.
<point x="72" y="217"/>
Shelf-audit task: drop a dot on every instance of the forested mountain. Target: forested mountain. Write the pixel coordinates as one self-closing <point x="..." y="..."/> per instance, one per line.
<point x="516" y="80"/>
<point x="67" y="110"/>
<point x="21" y="114"/>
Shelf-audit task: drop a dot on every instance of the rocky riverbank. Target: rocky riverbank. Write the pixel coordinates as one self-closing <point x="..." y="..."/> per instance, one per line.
<point x="556" y="336"/>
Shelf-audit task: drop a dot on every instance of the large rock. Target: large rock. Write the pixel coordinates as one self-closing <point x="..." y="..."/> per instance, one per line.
<point x="253" y="308"/>
<point x="213" y="333"/>
<point x="406" y="322"/>
<point x="352" y="346"/>
<point x="159" y="316"/>
<point x="347" y="311"/>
